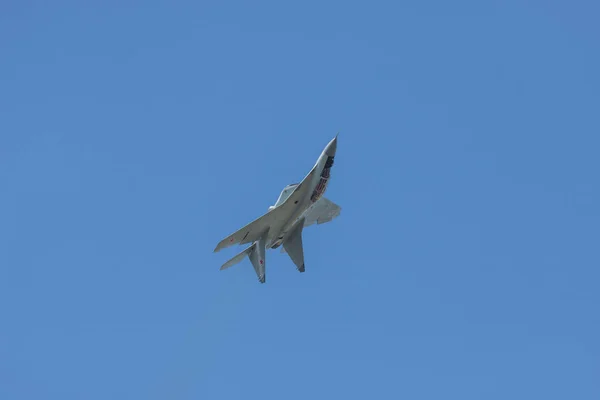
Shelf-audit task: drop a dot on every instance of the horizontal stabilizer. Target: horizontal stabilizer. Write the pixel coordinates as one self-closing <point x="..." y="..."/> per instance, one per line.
<point x="239" y="257"/>
<point x="256" y="254"/>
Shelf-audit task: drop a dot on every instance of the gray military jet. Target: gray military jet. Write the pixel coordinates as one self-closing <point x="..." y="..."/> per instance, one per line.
<point x="299" y="205"/>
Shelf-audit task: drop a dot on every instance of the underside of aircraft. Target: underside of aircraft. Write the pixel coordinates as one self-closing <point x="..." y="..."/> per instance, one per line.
<point x="299" y="205"/>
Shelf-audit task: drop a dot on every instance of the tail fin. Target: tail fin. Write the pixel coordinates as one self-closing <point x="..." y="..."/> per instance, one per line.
<point x="293" y="245"/>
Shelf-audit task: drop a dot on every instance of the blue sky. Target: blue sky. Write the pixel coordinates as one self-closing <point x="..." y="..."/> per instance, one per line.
<point x="465" y="262"/>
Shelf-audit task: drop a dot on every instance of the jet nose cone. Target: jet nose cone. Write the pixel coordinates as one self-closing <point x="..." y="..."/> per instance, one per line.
<point x="331" y="147"/>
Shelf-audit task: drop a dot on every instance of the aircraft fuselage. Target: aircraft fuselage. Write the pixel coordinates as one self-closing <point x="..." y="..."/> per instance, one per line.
<point x="317" y="181"/>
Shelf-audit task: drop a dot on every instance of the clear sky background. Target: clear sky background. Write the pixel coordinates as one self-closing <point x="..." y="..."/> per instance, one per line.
<point x="465" y="263"/>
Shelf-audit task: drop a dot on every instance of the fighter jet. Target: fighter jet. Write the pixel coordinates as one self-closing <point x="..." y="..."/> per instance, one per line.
<point x="299" y="205"/>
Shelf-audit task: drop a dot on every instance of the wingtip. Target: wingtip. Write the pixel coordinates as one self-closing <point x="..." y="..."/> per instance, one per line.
<point x="220" y="246"/>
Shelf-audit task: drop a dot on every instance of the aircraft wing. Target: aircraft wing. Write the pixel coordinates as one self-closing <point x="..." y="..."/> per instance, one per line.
<point x="254" y="230"/>
<point x="324" y="211"/>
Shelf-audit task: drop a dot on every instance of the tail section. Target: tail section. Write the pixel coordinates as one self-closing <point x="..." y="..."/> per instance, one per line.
<point x="293" y="245"/>
<point x="239" y="257"/>
<point x="256" y="254"/>
<point x="257" y="257"/>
